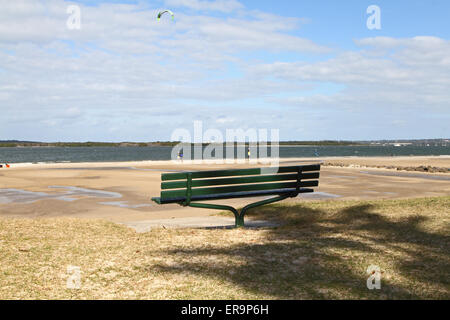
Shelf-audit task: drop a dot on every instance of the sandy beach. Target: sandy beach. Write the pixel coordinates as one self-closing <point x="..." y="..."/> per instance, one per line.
<point x="99" y="218"/>
<point x="121" y="191"/>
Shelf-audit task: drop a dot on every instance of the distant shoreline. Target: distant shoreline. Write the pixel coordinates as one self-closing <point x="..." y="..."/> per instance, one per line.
<point x="162" y="144"/>
<point x="299" y="143"/>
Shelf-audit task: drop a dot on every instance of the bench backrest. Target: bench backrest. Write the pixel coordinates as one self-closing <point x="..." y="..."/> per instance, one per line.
<point x="223" y="184"/>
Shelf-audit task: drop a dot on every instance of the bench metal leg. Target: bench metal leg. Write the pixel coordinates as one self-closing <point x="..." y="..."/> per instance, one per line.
<point x="239" y="217"/>
<point x="219" y="207"/>
<point x="260" y="203"/>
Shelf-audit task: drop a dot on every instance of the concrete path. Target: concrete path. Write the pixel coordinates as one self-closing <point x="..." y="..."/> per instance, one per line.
<point x="210" y="222"/>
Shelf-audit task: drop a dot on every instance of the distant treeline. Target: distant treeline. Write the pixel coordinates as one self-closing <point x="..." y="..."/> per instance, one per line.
<point x="13" y="143"/>
<point x="16" y="143"/>
<point x="84" y="144"/>
<point x="322" y="143"/>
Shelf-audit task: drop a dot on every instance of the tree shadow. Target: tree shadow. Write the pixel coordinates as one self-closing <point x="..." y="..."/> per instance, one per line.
<point x="322" y="255"/>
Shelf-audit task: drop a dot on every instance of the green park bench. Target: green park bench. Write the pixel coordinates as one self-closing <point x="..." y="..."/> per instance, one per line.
<point x="188" y="188"/>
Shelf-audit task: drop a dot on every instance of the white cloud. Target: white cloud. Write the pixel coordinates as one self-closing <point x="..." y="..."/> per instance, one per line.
<point x="412" y="73"/>
<point x="217" y="5"/>
<point x="125" y="70"/>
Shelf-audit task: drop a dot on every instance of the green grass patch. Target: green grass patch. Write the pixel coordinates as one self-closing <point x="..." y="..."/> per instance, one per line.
<point x="322" y="251"/>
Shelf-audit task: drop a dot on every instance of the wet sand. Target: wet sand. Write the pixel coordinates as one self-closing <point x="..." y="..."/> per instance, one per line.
<point x="121" y="191"/>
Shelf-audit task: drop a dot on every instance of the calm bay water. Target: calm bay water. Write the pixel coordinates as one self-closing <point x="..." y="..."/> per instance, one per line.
<point x="110" y="154"/>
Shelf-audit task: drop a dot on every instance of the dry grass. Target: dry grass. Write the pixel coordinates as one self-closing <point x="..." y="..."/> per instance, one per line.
<point x="323" y="251"/>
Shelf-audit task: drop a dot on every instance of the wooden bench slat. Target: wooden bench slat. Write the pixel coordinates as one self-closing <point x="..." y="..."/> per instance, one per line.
<point x="239" y="180"/>
<point x="232" y="195"/>
<point x="236" y="172"/>
<point x="187" y="188"/>
<point x="249" y="187"/>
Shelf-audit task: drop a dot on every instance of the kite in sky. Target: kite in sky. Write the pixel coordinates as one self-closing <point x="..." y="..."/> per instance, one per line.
<point x="162" y="12"/>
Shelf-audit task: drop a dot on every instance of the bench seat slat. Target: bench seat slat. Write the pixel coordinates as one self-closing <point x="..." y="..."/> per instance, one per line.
<point x="239" y="188"/>
<point x="237" y="172"/>
<point x="238" y="180"/>
<point x="232" y="195"/>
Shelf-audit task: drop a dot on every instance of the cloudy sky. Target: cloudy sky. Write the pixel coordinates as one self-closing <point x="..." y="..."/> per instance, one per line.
<point x="312" y="69"/>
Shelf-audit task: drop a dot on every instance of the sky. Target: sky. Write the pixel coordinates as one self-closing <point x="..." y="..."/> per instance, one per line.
<point x="314" y="70"/>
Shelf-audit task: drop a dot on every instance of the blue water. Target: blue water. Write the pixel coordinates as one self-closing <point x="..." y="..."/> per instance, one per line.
<point x="111" y="154"/>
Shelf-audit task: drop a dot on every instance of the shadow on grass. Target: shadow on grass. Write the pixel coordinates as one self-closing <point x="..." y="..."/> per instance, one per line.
<point x="323" y="255"/>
